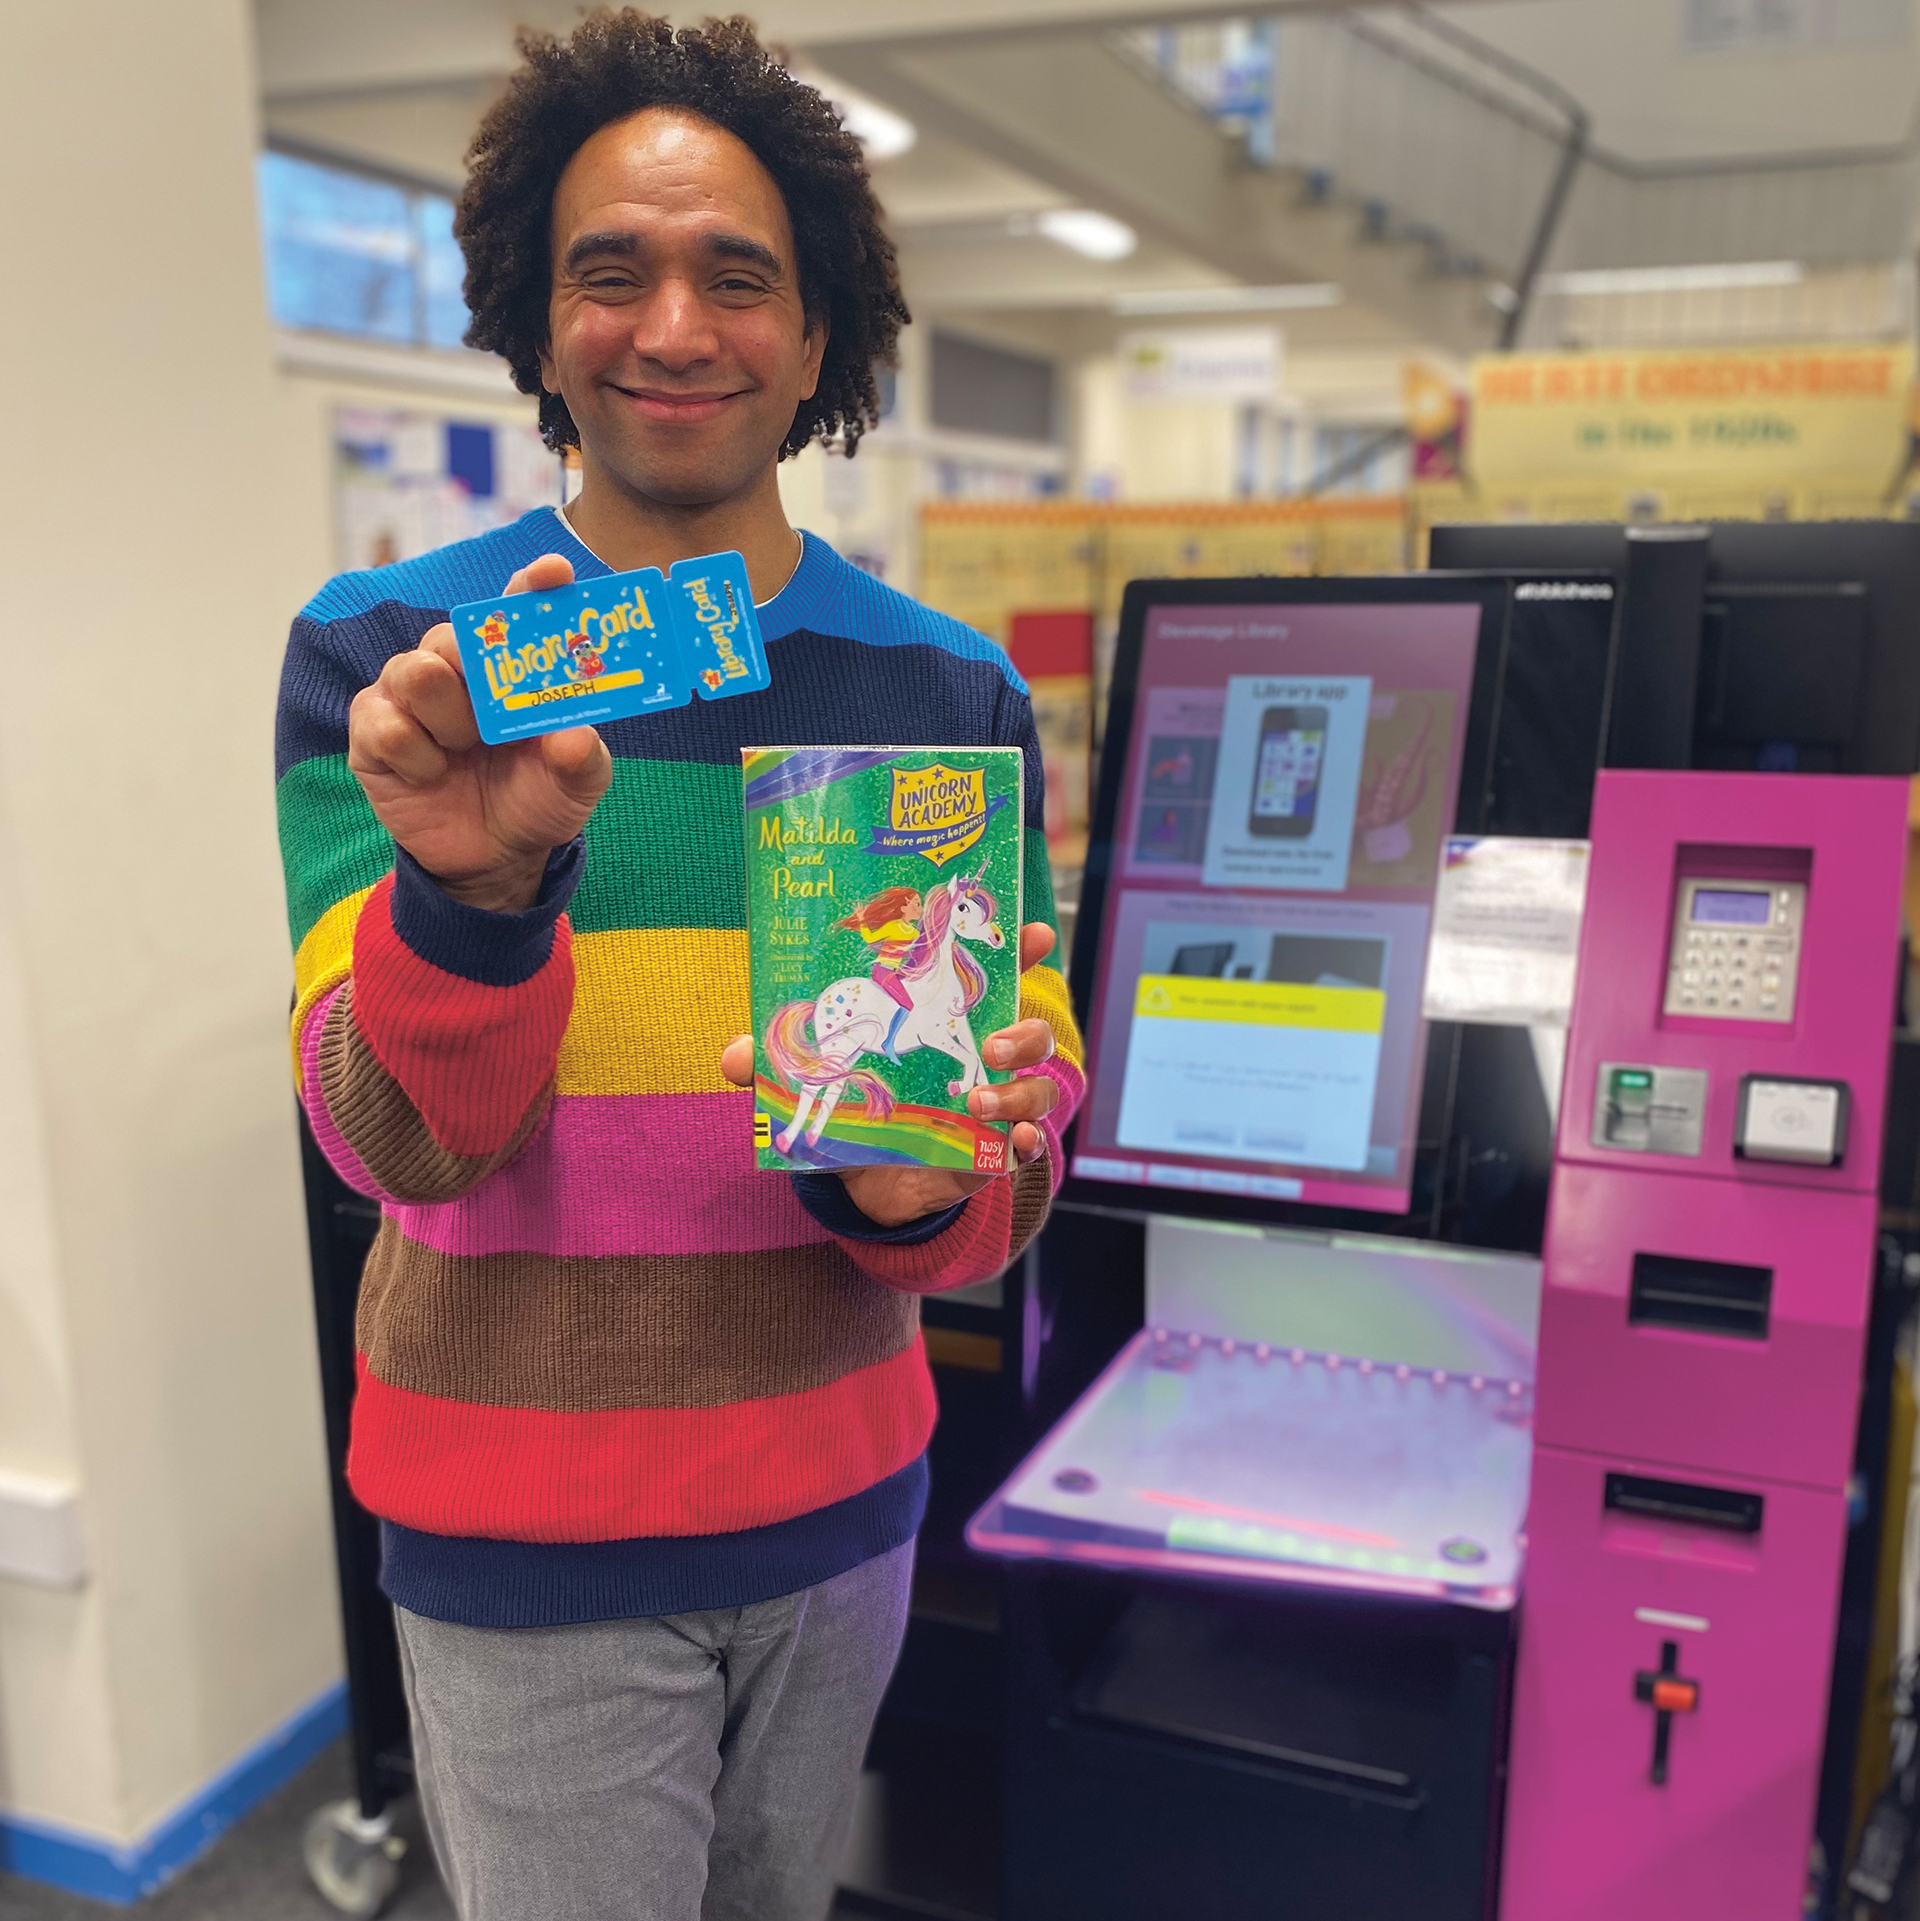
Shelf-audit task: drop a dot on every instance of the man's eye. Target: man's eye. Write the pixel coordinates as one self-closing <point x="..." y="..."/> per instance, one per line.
<point x="741" y="286"/>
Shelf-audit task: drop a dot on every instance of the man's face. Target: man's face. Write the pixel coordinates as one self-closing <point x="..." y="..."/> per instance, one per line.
<point x="676" y="334"/>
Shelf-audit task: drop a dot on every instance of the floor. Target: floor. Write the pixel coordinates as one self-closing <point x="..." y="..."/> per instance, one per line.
<point x="254" y="1873"/>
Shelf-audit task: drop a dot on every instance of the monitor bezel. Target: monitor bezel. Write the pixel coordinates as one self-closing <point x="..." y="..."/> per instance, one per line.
<point x="1490" y="592"/>
<point x="1882" y="557"/>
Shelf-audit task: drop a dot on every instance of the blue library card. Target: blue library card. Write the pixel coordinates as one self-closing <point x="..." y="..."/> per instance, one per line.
<point x="714" y="610"/>
<point x="570" y="656"/>
<point x="605" y="649"/>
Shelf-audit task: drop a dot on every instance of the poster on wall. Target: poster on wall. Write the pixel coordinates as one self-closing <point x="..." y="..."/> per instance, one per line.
<point x="406" y="482"/>
<point x="1736" y="419"/>
<point x="1202" y="363"/>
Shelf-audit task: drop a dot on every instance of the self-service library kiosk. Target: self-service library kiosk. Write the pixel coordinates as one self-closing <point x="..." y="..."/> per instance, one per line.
<point x="1263" y="1571"/>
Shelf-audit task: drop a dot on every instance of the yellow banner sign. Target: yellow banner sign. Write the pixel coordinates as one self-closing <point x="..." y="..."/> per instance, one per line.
<point x="1192" y="997"/>
<point x="1758" y="415"/>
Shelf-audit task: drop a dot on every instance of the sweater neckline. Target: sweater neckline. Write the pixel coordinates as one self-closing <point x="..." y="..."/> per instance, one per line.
<point x="796" y="605"/>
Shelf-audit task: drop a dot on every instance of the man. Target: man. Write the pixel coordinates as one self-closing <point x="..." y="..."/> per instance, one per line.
<point x="645" y="1428"/>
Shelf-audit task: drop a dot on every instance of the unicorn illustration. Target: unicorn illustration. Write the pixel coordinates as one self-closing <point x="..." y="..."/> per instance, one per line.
<point x="942" y="984"/>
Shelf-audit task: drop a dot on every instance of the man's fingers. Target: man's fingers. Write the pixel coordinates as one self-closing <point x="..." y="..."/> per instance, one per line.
<point x="1024" y="1044"/>
<point x="383" y="738"/>
<point x="1028" y="1143"/>
<point x="1031" y="1099"/>
<point x="550" y="570"/>
<point x="440" y="642"/>
<point x="435" y="694"/>
<point x="736" y="1060"/>
<point x="1037" y="941"/>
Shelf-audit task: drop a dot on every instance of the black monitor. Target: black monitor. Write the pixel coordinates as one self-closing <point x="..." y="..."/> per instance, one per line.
<point x="1772" y="646"/>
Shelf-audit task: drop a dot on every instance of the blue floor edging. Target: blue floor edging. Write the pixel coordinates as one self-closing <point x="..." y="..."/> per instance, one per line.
<point x="83" y="1864"/>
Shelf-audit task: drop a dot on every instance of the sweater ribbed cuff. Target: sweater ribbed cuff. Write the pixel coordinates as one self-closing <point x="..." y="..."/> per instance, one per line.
<point x="495" y="950"/>
<point x="825" y="1197"/>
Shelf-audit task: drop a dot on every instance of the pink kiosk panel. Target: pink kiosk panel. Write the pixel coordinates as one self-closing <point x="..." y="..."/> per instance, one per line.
<point x="1589" y="1836"/>
<point x="1708" y="1263"/>
<point x="1604" y="1373"/>
<point x="1842" y="842"/>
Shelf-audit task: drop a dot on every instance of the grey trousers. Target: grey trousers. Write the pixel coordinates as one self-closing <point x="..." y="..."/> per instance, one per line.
<point x="696" y="1767"/>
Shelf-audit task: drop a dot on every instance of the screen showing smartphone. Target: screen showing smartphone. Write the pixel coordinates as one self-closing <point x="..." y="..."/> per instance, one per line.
<point x="1286" y="771"/>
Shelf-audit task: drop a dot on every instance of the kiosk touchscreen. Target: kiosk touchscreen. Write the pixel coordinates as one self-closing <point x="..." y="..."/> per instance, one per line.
<point x="1285" y="758"/>
<point x="1284" y="761"/>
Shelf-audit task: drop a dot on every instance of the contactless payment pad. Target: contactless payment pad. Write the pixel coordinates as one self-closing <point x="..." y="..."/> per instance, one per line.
<point x="609" y="648"/>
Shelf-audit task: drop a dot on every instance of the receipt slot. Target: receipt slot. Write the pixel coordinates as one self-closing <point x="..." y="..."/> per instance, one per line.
<point x="1708" y="1261"/>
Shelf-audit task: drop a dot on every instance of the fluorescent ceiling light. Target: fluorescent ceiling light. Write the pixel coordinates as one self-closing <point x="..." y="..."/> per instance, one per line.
<point x="1181" y="300"/>
<point x="1097" y="235"/>
<point x="1735" y="273"/>
<point x="885" y="134"/>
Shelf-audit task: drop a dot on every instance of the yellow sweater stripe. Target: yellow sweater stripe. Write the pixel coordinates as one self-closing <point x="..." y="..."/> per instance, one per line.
<point x="323" y="960"/>
<point x="1044" y="996"/>
<point x="652" y="1007"/>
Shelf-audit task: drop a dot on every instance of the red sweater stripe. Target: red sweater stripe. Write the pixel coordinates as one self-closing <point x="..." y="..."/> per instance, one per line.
<point x="471" y="1058"/>
<point x="529" y="1474"/>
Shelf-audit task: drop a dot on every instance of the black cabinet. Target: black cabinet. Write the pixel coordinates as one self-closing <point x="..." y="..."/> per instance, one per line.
<point x="1249" y="1751"/>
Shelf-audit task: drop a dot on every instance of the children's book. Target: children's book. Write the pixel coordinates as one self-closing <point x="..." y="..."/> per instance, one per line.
<point x="883" y="927"/>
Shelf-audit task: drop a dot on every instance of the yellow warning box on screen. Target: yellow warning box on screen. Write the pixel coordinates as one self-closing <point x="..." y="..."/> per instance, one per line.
<point x="1189" y="997"/>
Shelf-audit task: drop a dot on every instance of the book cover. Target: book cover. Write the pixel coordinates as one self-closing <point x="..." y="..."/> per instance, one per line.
<point x="883" y="931"/>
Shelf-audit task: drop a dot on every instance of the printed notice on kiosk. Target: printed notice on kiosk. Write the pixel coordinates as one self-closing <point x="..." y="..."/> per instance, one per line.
<point x="1252" y="1070"/>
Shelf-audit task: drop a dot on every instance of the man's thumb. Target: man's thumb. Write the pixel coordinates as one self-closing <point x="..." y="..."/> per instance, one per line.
<point x="579" y="762"/>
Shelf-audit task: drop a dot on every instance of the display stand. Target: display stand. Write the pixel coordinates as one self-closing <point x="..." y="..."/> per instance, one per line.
<point x="1317" y="1412"/>
<point x="1235" y="1726"/>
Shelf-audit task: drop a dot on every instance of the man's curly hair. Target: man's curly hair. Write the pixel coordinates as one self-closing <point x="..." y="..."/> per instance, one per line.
<point x="620" y="63"/>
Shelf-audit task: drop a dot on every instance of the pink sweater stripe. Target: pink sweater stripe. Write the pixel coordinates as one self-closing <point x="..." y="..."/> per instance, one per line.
<point x="1072" y="1084"/>
<point x="588" y="1183"/>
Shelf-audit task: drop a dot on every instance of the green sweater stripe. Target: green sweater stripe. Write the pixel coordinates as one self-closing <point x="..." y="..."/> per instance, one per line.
<point x="663" y="848"/>
<point x="331" y="841"/>
<point x="1039" y="890"/>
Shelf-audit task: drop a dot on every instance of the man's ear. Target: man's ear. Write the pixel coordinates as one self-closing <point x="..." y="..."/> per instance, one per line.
<point x="813" y="353"/>
<point x="549" y="374"/>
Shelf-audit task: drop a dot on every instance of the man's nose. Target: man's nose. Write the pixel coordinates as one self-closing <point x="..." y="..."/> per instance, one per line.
<point x="674" y="327"/>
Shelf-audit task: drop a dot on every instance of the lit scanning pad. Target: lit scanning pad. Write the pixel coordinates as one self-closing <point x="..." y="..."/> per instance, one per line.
<point x="1799" y="1121"/>
<point x="1277" y="1461"/>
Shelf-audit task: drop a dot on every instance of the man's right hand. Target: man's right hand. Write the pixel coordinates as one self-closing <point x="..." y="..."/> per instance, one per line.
<point x="481" y="820"/>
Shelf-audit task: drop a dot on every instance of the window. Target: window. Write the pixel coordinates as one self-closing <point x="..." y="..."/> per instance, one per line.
<point x="351" y="253"/>
<point x="985" y="390"/>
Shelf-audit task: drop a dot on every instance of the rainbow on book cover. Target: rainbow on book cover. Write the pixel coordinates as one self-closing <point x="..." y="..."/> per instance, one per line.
<point x="883" y="931"/>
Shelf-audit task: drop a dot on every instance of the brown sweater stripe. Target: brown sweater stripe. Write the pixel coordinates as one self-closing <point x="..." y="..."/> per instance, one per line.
<point x="581" y="1334"/>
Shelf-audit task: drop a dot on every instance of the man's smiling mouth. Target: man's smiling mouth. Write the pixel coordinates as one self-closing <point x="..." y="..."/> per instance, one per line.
<point x="676" y="409"/>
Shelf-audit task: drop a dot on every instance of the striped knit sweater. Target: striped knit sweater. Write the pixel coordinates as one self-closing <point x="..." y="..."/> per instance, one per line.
<point x="608" y="1367"/>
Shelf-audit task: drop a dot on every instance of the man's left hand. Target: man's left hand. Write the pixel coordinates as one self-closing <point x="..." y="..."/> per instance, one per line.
<point x="893" y="1196"/>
